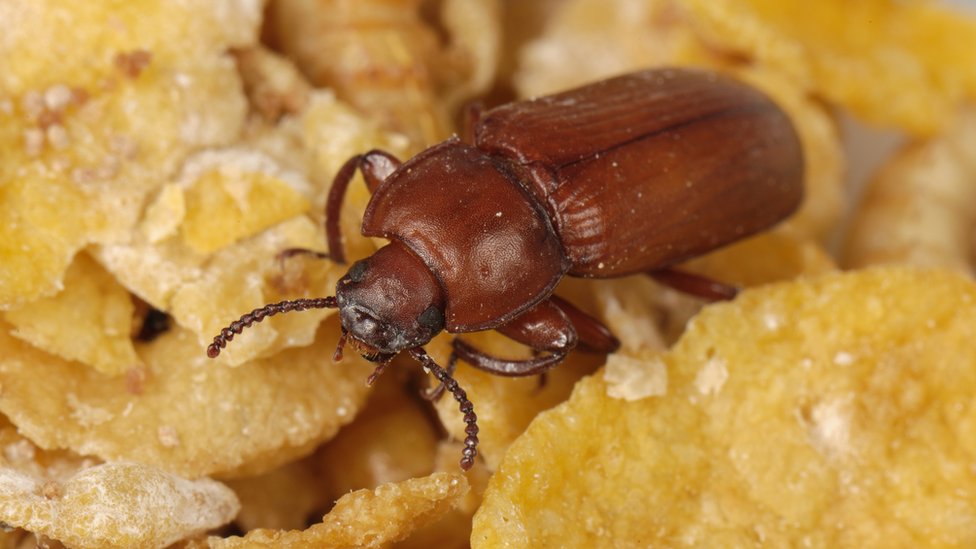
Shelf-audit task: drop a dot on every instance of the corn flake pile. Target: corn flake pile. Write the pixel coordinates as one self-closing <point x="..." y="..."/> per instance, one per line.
<point x="156" y="157"/>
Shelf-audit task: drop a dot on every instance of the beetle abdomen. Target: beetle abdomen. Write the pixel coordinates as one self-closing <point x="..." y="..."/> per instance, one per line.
<point x="652" y="168"/>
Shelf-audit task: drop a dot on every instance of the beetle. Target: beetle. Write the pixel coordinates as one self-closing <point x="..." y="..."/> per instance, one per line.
<point x="624" y="176"/>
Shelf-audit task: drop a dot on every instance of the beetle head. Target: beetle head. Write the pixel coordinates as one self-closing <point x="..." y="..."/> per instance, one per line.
<point x="389" y="302"/>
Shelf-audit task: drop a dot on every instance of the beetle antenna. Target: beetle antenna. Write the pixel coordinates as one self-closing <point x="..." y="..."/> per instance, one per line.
<point x="471" y="441"/>
<point x="259" y="314"/>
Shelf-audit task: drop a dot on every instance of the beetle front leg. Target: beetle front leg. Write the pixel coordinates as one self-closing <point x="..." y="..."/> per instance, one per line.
<point x="376" y="166"/>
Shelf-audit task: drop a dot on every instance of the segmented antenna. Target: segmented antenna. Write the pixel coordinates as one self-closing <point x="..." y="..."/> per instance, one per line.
<point x="449" y="383"/>
<point x="257" y="315"/>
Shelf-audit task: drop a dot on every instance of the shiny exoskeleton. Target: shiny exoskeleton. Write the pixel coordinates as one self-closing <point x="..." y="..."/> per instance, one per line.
<point x="628" y="175"/>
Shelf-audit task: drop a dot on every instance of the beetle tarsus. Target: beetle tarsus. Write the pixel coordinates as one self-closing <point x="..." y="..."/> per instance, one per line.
<point x="449" y="383"/>
<point x="257" y="315"/>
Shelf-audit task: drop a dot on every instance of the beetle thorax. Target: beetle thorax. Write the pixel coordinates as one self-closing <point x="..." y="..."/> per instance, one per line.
<point x="389" y="302"/>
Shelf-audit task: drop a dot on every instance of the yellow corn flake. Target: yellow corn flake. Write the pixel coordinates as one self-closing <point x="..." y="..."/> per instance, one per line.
<point x="115" y="505"/>
<point x="504" y="406"/>
<point x="472" y="56"/>
<point x="387" y="60"/>
<point x="391" y="440"/>
<point x="189" y="414"/>
<point x="643" y="315"/>
<point x="151" y="271"/>
<point x="19" y="454"/>
<point x="834" y="411"/>
<point x="365" y="518"/>
<point x="281" y="499"/>
<point x="824" y="173"/>
<point x="38" y="238"/>
<point x="205" y="294"/>
<point x="273" y="84"/>
<point x="855" y="54"/>
<point x="589" y="40"/>
<point x="165" y="214"/>
<point x="453" y="529"/>
<point x="773" y="256"/>
<point x="233" y="194"/>
<point x="72" y="39"/>
<point x="90" y="321"/>
<point x="333" y="133"/>
<point x="98" y="120"/>
<point x="240" y="278"/>
<point x="375" y="56"/>
<point x="920" y="208"/>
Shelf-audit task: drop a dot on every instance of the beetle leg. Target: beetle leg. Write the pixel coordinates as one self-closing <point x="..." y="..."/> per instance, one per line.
<point x="693" y="284"/>
<point x="287" y="253"/>
<point x="376" y="165"/>
<point x="543" y="380"/>
<point x="544" y="327"/>
<point x="594" y="336"/>
<point x="471" y="117"/>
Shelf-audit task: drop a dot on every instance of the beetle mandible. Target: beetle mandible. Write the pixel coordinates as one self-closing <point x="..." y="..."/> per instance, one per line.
<point x="624" y="176"/>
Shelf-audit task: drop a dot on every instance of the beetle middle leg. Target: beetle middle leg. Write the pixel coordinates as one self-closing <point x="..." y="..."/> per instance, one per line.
<point x="555" y="327"/>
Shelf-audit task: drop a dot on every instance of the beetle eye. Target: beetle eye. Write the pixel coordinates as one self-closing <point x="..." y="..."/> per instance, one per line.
<point x="358" y="271"/>
<point x="432" y="319"/>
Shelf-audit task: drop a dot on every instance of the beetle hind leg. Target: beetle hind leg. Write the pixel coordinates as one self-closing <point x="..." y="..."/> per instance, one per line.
<point x="694" y="284"/>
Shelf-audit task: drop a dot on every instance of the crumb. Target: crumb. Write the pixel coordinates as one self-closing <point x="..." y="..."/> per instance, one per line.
<point x="33" y="141"/>
<point x="132" y="63"/>
<point x="58" y="97"/>
<point x="167" y="436"/>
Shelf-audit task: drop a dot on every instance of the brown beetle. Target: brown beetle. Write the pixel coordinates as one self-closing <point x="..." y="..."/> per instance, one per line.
<point x="628" y="175"/>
